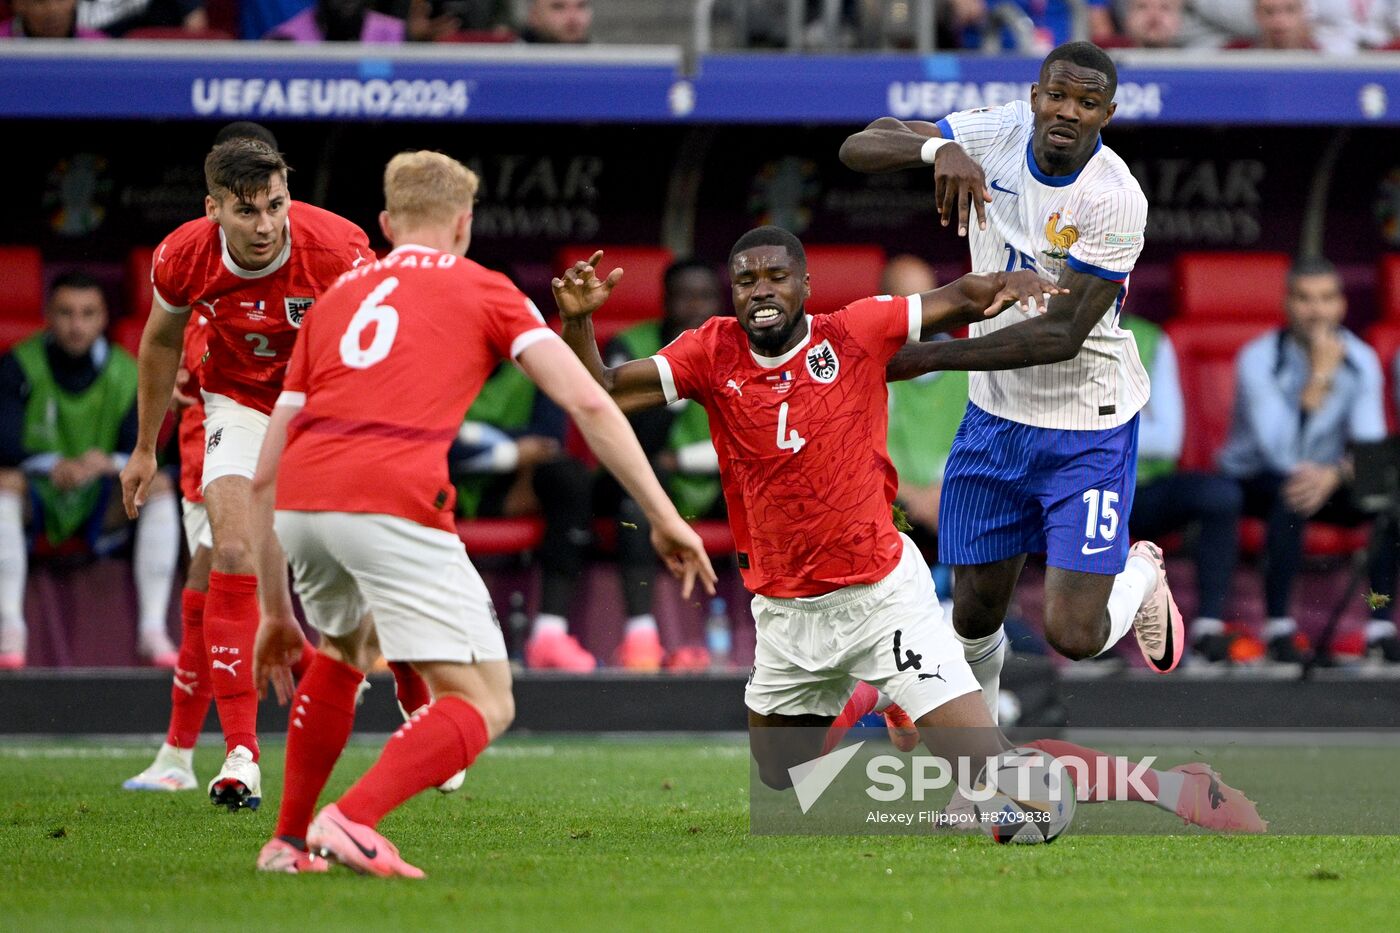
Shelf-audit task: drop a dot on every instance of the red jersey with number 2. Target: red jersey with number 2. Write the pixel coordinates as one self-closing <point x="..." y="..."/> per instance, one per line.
<point x="254" y="316"/>
<point x="802" y="443"/>
<point x="385" y="372"/>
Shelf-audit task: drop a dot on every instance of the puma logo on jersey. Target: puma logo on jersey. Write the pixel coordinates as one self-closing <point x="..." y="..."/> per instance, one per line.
<point x="738" y="389"/>
<point x="231" y="667"/>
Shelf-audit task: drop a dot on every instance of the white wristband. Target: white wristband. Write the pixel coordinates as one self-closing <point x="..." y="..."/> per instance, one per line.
<point x="930" y="147"/>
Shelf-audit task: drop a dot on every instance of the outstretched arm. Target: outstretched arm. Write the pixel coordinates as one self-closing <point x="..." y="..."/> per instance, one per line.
<point x="976" y="297"/>
<point x="1053" y="337"/>
<point x="634" y="385"/>
<point x="888" y="145"/>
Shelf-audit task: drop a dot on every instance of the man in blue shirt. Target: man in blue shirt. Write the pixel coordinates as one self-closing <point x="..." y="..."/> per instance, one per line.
<point x="1303" y="393"/>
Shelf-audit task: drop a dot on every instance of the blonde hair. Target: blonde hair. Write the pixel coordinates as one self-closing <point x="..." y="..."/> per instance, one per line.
<point x="427" y="187"/>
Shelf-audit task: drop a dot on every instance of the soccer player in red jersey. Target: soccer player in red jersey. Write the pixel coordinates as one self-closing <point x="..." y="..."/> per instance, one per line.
<point x="798" y="415"/>
<point x="253" y="266"/>
<point x="378" y="386"/>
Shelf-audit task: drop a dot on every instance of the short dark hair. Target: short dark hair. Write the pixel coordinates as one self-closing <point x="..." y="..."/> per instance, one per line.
<point x="242" y="166"/>
<point x="771" y="236"/>
<point x="246" y="129"/>
<point x="1085" y="55"/>
<point x="74" y="279"/>
<point x="1307" y="266"/>
<point x="679" y="268"/>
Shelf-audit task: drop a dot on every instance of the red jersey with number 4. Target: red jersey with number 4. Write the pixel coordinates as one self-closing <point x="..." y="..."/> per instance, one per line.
<point x="255" y="316"/>
<point x="191" y="424"/>
<point x="801" y="443"/>
<point x="385" y="371"/>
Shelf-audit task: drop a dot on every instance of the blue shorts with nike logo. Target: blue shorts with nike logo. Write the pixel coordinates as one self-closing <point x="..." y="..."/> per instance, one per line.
<point x="1010" y="488"/>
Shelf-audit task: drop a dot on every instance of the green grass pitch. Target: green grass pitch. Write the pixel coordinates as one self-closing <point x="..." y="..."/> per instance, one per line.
<point x="613" y="834"/>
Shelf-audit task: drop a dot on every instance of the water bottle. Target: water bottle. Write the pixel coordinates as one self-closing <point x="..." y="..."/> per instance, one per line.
<point x="718" y="638"/>
<point x="517" y="625"/>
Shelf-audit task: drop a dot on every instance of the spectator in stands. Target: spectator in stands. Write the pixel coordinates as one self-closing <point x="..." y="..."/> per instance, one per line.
<point x="1168" y="499"/>
<point x="924" y="416"/>
<point x="1212" y="25"/>
<point x="509" y="461"/>
<point x="46" y="19"/>
<point x="564" y="22"/>
<point x="677" y="440"/>
<point x="1150" y="24"/>
<point x="1304" y="392"/>
<point x="340" y="21"/>
<point x="67" y="424"/>
<point x="1282" y="24"/>
<point x="1052" y="22"/>
<point x="435" y="20"/>
<point x="118" y="17"/>
<point x="1345" y="26"/>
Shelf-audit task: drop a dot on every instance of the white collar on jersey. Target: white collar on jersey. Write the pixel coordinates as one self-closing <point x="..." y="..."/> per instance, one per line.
<point x="267" y="270"/>
<point x="773" y="362"/>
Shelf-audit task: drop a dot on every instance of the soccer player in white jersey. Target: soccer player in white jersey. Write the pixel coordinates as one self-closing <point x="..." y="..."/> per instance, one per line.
<point x="1045" y="457"/>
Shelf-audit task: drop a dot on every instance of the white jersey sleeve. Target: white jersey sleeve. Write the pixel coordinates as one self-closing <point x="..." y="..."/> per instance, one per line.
<point x="1111" y="234"/>
<point x="978" y="131"/>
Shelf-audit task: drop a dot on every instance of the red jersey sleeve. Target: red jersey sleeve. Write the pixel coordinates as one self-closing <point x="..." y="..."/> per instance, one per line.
<point x="357" y="251"/>
<point x="512" y="320"/>
<point x="684" y="363"/>
<point x="885" y="323"/>
<point x="170" y="276"/>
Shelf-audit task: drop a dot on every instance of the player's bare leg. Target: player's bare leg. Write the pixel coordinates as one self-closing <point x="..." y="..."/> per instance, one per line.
<point x="230" y="628"/>
<point x="472" y="705"/>
<point x="981" y="597"/>
<point x="1087" y="613"/>
<point x="779" y="743"/>
<point x="14" y="568"/>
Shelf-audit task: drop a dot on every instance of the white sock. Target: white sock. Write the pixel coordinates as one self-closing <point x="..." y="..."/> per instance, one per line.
<point x="642" y="623"/>
<point x="985" y="656"/>
<point x="1130" y="588"/>
<point x="547" y="622"/>
<point x="1169" y="784"/>
<point x="1203" y="627"/>
<point x="14" y="569"/>
<point x="1377" y="629"/>
<point x="1280" y="627"/>
<point x="154" y="558"/>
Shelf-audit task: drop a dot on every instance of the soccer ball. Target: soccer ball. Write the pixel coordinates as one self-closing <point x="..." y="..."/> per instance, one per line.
<point x="1032" y="798"/>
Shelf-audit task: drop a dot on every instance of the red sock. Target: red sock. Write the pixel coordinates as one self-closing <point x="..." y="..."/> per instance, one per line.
<point x="862" y="701"/>
<point x="308" y="655"/>
<point x="410" y="687"/>
<point x="429" y="749"/>
<point x="190" y="694"/>
<point x="323" y="713"/>
<point x="230" y="627"/>
<point x="1097" y="780"/>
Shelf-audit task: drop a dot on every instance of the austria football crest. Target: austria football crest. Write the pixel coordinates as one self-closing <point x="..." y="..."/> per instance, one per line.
<point x="822" y="363"/>
<point x="296" y="309"/>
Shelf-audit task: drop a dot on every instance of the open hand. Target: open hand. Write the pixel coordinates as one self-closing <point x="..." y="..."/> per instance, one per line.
<point x="579" y="292"/>
<point x="1025" y="288"/>
<point x="684" y="555"/>
<point x="278" y="646"/>
<point x="960" y="188"/>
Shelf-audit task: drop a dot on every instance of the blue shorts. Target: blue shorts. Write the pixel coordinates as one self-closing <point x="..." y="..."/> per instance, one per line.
<point x="1010" y="488"/>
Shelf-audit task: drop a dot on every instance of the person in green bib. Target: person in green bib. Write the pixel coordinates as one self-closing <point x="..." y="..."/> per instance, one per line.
<point x="67" y="424"/>
<point x="1168" y="499"/>
<point x="677" y="439"/>
<point x="509" y="461"/>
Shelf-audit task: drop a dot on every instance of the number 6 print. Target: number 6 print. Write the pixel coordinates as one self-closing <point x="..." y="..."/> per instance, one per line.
<point x="371" y="311"/>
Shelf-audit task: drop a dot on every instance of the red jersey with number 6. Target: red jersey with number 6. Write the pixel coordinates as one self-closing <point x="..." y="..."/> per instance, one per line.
<point x="254" y="316"/>
<point x="801" y="440"/>
<point x="385" y="372"/>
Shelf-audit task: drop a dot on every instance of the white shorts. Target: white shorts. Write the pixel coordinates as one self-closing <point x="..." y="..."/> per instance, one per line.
<point x="428" y="601"/>
<point x="233" y="436"/>
<point x="196" y="518"/>
<point x="811" y="651"/>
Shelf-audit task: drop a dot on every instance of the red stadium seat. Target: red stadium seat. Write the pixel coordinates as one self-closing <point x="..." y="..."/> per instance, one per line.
<point x="1388" y="290"/>
<point x="638" y="298"/>
<point x="21" y="284"/>
<point x="179" y="33"/>
<point x="1231" y="286"/>
<point x="139" y="293"/>
<point x="126" y="332"/>
<point x="12" y="332"/>
<point x="1205" y="352"/>
<point x="842" y="274"/>
<point x="486" y="536"/>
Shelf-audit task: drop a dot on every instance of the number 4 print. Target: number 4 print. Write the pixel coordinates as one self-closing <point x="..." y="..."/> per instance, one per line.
<point x="793" y="441"/>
